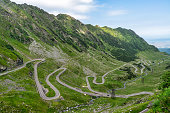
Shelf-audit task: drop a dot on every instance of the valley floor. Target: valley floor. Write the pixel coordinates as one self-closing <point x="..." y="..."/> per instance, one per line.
<point x="51" y="88"/>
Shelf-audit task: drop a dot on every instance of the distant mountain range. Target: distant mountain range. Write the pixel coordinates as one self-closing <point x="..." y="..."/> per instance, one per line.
<point x="167" y="50"/>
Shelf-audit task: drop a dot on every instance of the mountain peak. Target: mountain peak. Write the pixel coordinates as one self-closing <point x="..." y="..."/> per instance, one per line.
<point x="65" y="17"/>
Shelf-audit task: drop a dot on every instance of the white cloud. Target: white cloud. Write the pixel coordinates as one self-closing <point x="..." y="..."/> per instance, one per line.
<point x="117" y="12"/>
<point x="86" y="1"/>
<point x="162" y="44"/>
<point x="78" y="8"/>
<point x="154" y="31"/>
<point x="76" y="16"/>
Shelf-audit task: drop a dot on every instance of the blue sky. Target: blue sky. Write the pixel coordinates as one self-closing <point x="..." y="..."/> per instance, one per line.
<point x="148" y="18"/>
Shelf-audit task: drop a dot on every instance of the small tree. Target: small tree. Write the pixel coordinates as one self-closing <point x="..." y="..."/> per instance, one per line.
<point x="113" y="93"/>
<point x="142" y="80"/>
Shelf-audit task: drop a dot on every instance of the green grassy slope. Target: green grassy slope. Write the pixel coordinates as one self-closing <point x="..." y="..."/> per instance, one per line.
<point x="21" y="20"/>
<point x="28" y="32"/>
<point x="8" y="56"/>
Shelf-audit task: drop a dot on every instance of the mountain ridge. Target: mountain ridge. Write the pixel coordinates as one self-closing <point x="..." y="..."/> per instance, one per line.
<point x="167" y="50"/>
<point x="66" y="29"/>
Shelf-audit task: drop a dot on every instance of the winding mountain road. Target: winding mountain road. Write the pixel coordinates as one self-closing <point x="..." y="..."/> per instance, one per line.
<point x="95" y="92"/>
<point x="20" y="67"/>
<point x="40" y="87"/>
<point x="136" y="69"/>
<point x="57" y="93"/>
<point x="143" y="67"/>
<point x="103" y="80"/>
<point x="124" y="85"/>
<point x="109" y="95"/>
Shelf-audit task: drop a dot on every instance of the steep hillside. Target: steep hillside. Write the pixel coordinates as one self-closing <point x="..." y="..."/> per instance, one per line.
<point x="9" y="58"/>
<point x="121" y="43"/>
<point x="20" y="21"/>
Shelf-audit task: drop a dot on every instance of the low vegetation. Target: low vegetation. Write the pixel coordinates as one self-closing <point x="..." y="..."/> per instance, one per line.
<point x="28" y="32"/>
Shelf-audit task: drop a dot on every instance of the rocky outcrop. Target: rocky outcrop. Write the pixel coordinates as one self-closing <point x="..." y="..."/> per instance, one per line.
<point x="3" y="68"/>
